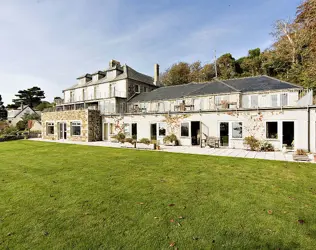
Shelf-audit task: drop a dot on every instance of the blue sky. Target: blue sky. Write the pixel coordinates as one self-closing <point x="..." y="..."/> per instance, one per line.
<point x="48" y="43"/>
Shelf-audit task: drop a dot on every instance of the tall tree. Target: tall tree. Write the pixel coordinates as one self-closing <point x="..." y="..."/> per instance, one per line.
<point x="226" y="66"/>
<point x="31" y="97"/>
<point x="3" y="112"/>
<point x="178" y="73"/>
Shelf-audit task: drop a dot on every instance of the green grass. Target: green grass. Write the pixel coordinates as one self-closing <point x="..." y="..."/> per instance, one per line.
<point x="61" y="196"/>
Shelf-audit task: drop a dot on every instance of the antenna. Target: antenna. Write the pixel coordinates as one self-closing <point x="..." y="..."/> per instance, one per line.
<point x="215" y="65"/>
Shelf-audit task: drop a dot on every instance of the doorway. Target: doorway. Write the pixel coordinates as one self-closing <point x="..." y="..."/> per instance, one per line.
<point x="195" y="133"/>
<point x="105" y="131"/>
<point x="224" y="134"/>
<point x="134" y="131"/>
<point x="288" y="133"/>
<point x="62" y="131"/>
<point x="153" y="131"/>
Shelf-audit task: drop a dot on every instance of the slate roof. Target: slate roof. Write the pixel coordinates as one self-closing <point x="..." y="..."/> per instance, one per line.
<point x="127" y="73"/>
<point x="260" y="83"/>
<point x="248" y="84"/>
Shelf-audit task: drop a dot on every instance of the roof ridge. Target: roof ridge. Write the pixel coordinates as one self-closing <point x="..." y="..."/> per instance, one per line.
<point x="227" y="85"/>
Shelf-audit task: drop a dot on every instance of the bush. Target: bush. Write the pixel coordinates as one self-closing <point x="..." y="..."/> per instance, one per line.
<point x="21" y="125"/>
<point x="9" y="131"/>
<point x="266" y="146"/>
<point x="252" y="142"/>
<point x="170" y="138"/>
<point x="130" y="140"/>
<point x="145" y="141"/>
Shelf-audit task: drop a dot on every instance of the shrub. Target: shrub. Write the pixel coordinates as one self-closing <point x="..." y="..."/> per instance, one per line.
<point x="252" y="142"/>
<point x="21" y="125"/>
<point x="9" y="131"/>
<point x="120" y="137"/>
<point x="145" y="141"/>
<point x="266" y="146"/>
<point x="170" y="138"/>
<point x="130" y="140"/>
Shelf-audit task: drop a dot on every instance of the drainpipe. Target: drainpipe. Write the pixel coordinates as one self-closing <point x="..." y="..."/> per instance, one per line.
<point x="308" y="129"/>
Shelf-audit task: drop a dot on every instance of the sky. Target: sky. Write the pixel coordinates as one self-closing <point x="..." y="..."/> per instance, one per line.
<point x="49" y="43"/>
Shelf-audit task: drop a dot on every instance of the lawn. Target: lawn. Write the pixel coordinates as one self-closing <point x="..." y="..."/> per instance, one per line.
<point x="65" y="196"/>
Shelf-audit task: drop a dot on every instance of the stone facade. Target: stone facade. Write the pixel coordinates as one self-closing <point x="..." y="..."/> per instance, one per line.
<point x="89" y="119"/>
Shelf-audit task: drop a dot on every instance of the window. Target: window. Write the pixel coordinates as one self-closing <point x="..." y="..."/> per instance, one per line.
<point x="245" y="101"/>
<point x="284" y="99"/>
<point x="127" y="129"/>
<point x="83" y="94"/>
<point x="49" y="128"/>
<point x="272" y="130"/>
<point x="237" y="130"/>
<point x="112" y="128"/>
<point x="274" y="100"/>
<point x="218" y="100"/>
<point x="254" y="101"/>
<point x="145" y="89"/>
<point x="137" y="88"/>
<point x="75" y="128"/>
<point x="185" y="129"/>
<point x="162" y="129"/>
<point x="96" y="92"/>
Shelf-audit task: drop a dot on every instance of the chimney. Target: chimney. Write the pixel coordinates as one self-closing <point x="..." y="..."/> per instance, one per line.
<point x="156" y="74"/>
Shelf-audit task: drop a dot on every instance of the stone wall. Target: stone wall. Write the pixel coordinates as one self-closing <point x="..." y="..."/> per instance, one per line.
<point x="94" y="125"/>
<point x="90" y="123"/>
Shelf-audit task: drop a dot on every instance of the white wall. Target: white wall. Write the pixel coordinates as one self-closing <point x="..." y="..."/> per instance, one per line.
<point x="211" y="121"/>
<point x="264" y="99"/>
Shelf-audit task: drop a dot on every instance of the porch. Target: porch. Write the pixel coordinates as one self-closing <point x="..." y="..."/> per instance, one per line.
<point x="228" y="152"/>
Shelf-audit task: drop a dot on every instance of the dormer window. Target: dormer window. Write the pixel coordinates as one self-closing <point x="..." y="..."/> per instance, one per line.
<point x="137" y="88"/>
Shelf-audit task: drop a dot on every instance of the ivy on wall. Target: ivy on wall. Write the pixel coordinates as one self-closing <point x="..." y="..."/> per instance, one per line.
<point x="173" y="121"/>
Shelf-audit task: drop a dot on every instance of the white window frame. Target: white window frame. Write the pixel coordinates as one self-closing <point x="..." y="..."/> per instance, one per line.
<point x="77" y="124"/>
<point x="287" y="99"/>
<point x="127" y="129"/>
<point x="242" y="130"/>
<point x="266" y="130"/>
<point x="189" y="128"/>
<point x="50" y="124"/>
<point x="252" y="97"/>
<point x="158" y="128"/>
<point x="276" y="95"/>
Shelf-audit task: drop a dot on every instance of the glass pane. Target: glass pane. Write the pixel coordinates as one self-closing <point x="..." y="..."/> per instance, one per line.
<point x="237" y="130"/>
<point x="185" y="129"/>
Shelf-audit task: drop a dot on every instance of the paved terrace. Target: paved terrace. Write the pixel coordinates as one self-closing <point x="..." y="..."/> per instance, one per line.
<point x="242" y="153"/>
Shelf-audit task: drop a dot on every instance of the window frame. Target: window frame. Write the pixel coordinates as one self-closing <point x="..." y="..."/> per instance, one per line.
<point x="137" y="86"/>
<point x="277" y="130"/>
<point x="50" y="124"/>
<point x="185" y="136"/>
<point x="75" y="124"/>
<point x="281" y="99"/>
<point x="242" y="132"/>
<point x="252" y="97"/>
<point x="276" y="95"/>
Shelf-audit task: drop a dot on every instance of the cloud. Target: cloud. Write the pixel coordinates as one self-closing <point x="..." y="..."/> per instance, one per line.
<point x="49" y="43"/>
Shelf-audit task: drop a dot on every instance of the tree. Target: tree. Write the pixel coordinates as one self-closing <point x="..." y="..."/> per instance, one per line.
<point x="3" y="112"/>
<point x="226" y="66"/>
<point x="31" y="97"/>
<point x="178" y="73"/>
<point x="43" y="105"/>
<point x="208" y="72"/>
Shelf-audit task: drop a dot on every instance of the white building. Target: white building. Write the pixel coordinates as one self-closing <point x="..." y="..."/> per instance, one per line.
<point x="133" y="103"/>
